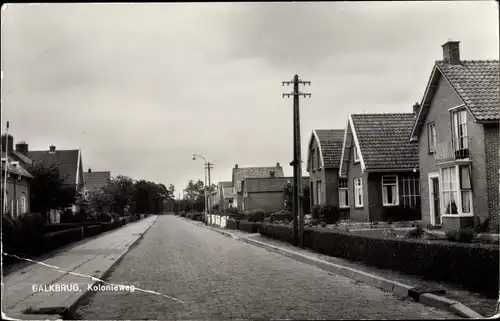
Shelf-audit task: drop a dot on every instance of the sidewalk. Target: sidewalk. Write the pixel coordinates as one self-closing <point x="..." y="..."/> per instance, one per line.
<point x="79" y="266"/>
<point x="457" y="300"/>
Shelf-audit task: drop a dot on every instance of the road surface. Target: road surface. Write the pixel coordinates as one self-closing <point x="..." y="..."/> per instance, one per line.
<point x="217" y="277"/>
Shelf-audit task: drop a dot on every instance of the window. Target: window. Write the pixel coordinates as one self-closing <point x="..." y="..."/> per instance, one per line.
<point x="313" y="195"/>
<point x="460" y="141"/>
<point x="343" y="193"/>
<point x="313" y="159"/>
<point x="12" y="208"/>
<point x="318" y="158"/>
<point x="356" y="156"/>
<point x="390" y="195"/>
<point x="449" y="190"/>
<point x="358" y="192"/>
<point x="319" y="191"/>
<point x="431" y="133"/>
<point x="23" y="209"/>
<point x="411" y="191"/>
<point x="465" y="189"/>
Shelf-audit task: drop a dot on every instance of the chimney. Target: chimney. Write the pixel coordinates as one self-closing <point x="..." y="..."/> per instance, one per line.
<point x="236" y="166"/>
<point x="416" y="108"/>
<point x="451" y="52"/>
<point x="278" y="164"/>
<point x="22" y="148"/>
<point x="9" y="140"/>
<point x="90" y="171"/>
<point x="52" y="149"/>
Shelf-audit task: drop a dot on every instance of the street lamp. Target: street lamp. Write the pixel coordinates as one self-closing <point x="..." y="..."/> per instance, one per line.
<point x="205" y="190"/>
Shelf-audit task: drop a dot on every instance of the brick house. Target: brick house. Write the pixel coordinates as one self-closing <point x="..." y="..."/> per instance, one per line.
<point x="242" y="173"/>
<point x="95" y="180"/>
<point x="17" y="200"/>
<point x="457" y="135"/>
<point x="225" y="195"/>
<point x="323" y="162"/>
<point x="266" y="193"/>
<point x="379" y="166"/>
<point x="70" y="170"/>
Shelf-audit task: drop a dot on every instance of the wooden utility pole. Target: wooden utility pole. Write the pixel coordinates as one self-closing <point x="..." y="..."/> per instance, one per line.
<point x="208" y="167"/>
<point x="298" y="211"/>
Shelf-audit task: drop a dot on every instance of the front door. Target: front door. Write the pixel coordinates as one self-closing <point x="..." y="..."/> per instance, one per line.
<point x="435" y="200"/>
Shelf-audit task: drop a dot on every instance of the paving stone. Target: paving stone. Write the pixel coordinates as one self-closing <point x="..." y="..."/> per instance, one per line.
<point x="218" y="277"/>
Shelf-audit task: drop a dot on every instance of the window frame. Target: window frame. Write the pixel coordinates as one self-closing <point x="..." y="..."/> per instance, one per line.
<point x="313" y="159"/>
<point x="431" y="137"/>
<point x="385" y="196"/>
<point x="459" y="127"/>
<point x="455" y="179"/>
<point x="413" y="198"/>
<point x="318" y="159"/>
<point x="343" y="190"/>
<point x="358" y="190"/>
<point x="356" y="155"/>
<point x="319" y="191"/>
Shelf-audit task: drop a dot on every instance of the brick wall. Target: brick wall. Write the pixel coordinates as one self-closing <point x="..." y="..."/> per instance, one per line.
<point x="15" y="189"/>
<point x="354" y="171"/>
<point x="269" y="201"/>
<point x="492" y="149"/>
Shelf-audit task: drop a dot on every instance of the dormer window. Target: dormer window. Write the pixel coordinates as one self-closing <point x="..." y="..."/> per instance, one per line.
<point x="356" y="155"/>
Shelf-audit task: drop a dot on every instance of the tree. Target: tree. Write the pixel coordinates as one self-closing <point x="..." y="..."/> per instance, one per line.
<point x="122" y="189"/>
<point x="306" y="198"/>
<point x="195" y="195"/>
<point x="100" y="201"/>
<point x="47" y="191"/>
<point x="288" y="190"/>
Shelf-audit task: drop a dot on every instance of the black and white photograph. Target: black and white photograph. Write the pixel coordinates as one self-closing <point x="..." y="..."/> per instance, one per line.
<point x="250" y="160"/>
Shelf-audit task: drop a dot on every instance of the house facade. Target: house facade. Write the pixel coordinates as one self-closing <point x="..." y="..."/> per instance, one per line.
<point x="16" y="200"/>
<point x="266" y="193"/>
<point x="242" y="173"/>
<point x="457" y="134"/>
<point x="379" y="166"/>
<point x="225" y="195"/>
<point x="70" y="171"/>
<point x="323" y="162"/>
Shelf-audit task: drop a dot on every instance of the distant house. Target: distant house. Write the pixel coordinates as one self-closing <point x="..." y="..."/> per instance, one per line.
<point x="267" y="193"/>
<point x="93" y="181"/>
<point x="457" y="134"/>
<point x="70" y="169"/>
<point x="323" y="162"/>
<point x="225" y="195"/>
<point x="240" y="174"/>
<point x="17" y="200"/>
<point x="379" y="165"/>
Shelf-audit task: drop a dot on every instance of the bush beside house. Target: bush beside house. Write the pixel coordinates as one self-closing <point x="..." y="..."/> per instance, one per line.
<point x="438" y="260"/>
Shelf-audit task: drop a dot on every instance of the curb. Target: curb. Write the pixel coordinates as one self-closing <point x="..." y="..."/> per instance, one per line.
<point x="73" y="302"/>
<point x="399" y="289"/>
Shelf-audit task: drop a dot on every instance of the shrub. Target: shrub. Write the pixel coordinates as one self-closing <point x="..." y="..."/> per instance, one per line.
<point x="115" y="216"/>
<point x="232" y="210"/>
<point x="237" y="216"/>
<point x="283" y="215"/>
<point x="437" y="260"/>
<point x="329" y="214"/>
<point x="416" y="233"/>
<point x="215" y="207"/>
<point x="232" y="224"/>
<point x="316" y="209"/>
<point x="31" y="229"/>
<point x="249" y="227"/>
<point x="66" y="216"/>
<point x="92" y="230"/>
<point x="482" y="227"/>
<point x="401" y="213"/>
<point x="57" y="239"/>
<point x="183" y="214"/>
<point x="256" y="216"/>
<point x="462" y="235"/>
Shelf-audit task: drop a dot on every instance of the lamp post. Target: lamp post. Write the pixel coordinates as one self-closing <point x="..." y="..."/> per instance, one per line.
<point x="207" y="168"/>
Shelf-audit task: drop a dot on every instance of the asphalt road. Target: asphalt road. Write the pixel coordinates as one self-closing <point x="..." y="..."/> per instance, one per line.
<point x="217" y="277"/>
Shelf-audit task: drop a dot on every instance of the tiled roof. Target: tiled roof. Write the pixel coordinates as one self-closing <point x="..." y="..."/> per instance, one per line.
<point x="383" y="140"/>
<point x="225" y="184"/>
<point x="477" y="83"/>
<point x="14" y="169"/>
<point x="95" y="180"/>
<point x="67" y="160"/>
<point x="331" y="146"/>
<point x="242" y="173"/>
<point x="255" y="185"/>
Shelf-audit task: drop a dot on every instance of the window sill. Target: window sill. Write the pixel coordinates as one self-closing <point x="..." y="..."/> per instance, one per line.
<point x="358" y="207"/>
<point x="356" y="162"/>
<point x="457" y="215"/>
<point x="344" y="207"/>
<point x="390" y="205"/>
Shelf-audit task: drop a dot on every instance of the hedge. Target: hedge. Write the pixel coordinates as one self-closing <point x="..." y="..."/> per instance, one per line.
<point x="61" y="238"/>
<point x="232" y="224"/>
<point x="474" y="266"/>
<point x="92" y="230"/>
<point x="250" y="227"/>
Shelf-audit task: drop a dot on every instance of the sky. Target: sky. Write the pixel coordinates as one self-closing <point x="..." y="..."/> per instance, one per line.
<point x="139" y="88"/>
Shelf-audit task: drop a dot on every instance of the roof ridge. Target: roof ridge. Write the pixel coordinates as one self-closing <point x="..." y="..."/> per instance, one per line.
<point x="381" y="113"/>
<point x="471" y="61"/>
